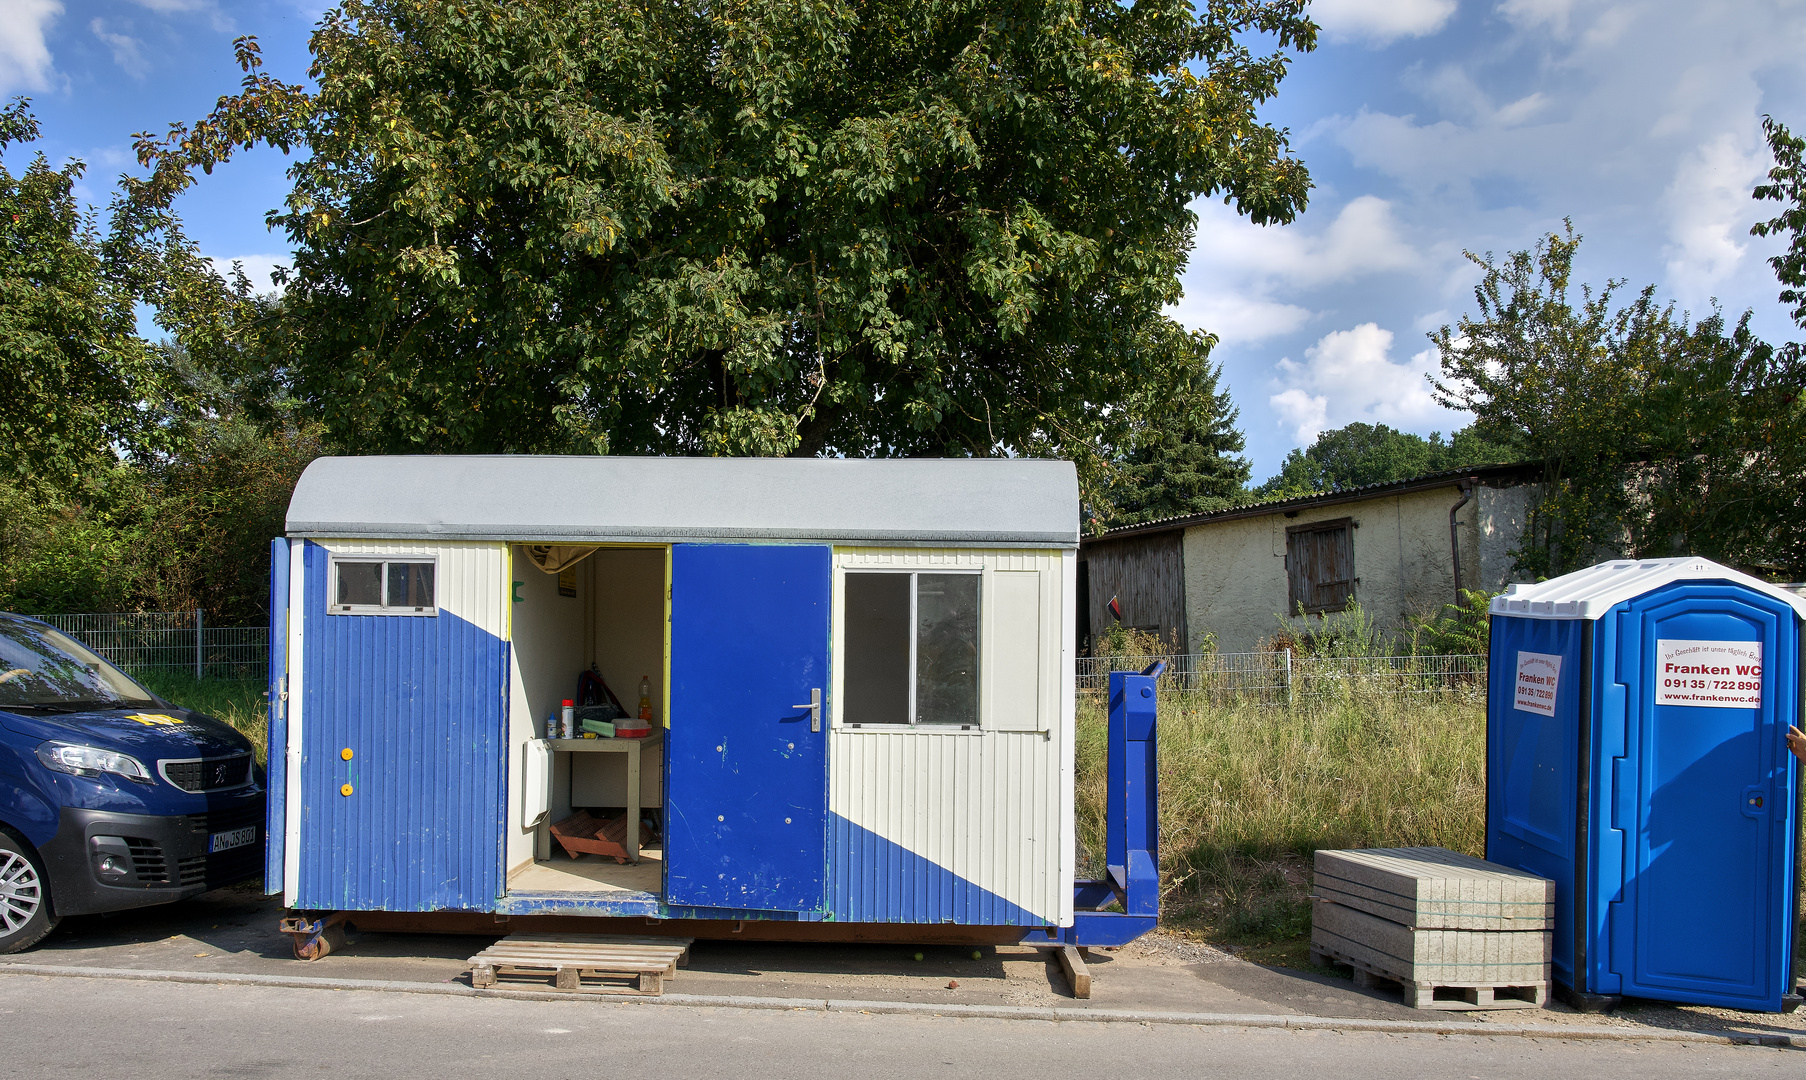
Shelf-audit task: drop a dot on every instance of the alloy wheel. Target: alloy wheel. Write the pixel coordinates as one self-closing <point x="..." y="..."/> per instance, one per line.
<point x="21" y="893"/>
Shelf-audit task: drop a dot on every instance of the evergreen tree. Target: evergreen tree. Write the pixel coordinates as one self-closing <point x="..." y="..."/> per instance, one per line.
<point x="1186" y="458"/>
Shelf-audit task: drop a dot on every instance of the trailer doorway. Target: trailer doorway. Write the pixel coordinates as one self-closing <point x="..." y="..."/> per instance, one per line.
<point x="588" y="629"/>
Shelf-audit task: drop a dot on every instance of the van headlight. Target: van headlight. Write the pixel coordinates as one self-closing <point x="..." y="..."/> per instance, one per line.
<point x="78" y="760"/>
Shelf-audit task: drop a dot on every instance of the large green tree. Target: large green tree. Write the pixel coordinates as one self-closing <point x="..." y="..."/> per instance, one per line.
<point x="1657" y="435"/>
<point x="1361" y="454"/>
<point x="77" y="382"/>
<point x="868" y="227"/>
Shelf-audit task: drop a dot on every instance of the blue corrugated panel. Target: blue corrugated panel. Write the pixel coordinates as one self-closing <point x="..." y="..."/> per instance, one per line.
<point x="276" y="770"/>
<point x="418" y="701"/>
<point x="871" y="879"/>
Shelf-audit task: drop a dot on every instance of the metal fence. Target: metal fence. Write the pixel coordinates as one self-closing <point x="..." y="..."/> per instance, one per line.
<point x="1277" y="677"/>
<point x="171" y="641"/>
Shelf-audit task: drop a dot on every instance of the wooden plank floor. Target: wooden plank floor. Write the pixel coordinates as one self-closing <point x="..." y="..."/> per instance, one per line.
<point x="591" y="874"/>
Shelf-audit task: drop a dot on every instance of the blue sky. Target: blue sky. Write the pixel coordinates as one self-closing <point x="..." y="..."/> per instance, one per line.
<point x="1430" y="126"/>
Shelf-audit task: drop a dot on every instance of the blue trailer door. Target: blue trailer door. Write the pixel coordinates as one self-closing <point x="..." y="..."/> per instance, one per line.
<point x="1705" y="791"/>
<point x="402" y="733"/>
<point x="747" y="780"/>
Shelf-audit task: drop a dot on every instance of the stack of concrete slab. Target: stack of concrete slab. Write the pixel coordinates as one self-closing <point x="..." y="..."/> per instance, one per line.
<point x="1455" y="932"/>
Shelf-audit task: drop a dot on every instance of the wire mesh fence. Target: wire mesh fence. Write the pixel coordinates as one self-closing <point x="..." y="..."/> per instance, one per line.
<point x="171" y="641"/>
<point x="1279" y="677"/>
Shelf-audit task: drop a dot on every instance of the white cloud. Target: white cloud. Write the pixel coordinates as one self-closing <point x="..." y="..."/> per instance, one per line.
<point x="1350" y="375"/>
<point x="256" y="267"/>
<point x="1709" y="214"/>
<point x="24" y="57"/>
<point x="1234" y="317"/>
<point x="1531" y="14"/>
<point x="126" y="50"/>
<point x="187" y="7"/>
<point x="1237" y="266"/>
<point x="1381" y="21"/>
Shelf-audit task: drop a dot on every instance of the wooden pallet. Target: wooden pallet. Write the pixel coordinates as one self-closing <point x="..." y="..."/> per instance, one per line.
<point x="586" y="963"/>
<point x="1444" y="996"/>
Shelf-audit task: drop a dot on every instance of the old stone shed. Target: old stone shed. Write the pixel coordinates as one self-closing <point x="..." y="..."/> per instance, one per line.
<point x="1394" y="547"/>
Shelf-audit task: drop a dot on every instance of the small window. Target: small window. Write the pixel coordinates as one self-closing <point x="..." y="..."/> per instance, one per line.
<point x="383" y="587"/>
<point x="911" y="649"/>
<point x="1320" y="566"/>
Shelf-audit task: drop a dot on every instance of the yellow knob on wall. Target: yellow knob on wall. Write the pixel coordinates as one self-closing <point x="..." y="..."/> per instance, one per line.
<point x="346" y="753"/>
<point x="345" y="789"/>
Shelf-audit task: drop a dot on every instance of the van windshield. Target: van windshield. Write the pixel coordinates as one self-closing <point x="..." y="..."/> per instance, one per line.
<point x="44" y="668"/>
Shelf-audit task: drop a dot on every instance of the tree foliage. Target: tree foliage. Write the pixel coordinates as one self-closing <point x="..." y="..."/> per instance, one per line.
<point x="1658" y="436"/>
<point x="79" y="382"/>
<point x="882" y="227"/>
<point x="1186" y="456"/>
<point x="1361" y="454"/>
<point x="1787" y="186"/>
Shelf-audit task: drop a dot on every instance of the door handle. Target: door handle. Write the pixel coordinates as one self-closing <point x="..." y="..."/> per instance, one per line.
<point x="814" y="707"/>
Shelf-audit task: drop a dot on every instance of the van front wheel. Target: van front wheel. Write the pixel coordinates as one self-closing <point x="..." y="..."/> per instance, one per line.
<point x="25" y="915"/>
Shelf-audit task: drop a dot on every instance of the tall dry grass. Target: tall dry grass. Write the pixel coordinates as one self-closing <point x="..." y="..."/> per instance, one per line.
<point x="1248" y="793"/>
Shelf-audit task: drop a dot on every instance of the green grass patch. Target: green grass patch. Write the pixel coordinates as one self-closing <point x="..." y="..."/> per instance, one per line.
<point x="1249" y="793"/>
<point x="239" y="702"/>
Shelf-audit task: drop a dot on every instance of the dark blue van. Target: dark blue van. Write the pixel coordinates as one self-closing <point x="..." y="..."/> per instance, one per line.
<point x="110" y="797"/>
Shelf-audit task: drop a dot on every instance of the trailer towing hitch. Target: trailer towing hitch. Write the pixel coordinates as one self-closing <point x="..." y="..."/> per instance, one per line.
<point x="1131" y="823"/>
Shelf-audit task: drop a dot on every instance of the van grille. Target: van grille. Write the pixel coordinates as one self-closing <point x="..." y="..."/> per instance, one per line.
<point x="225" y="820"/>
<point x="208" y="774"/>
<point x="148" y="862"/>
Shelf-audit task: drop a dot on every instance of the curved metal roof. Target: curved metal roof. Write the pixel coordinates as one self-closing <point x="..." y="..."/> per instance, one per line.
<point x="1008" y="502"/>
<point x="1588" y="594"/>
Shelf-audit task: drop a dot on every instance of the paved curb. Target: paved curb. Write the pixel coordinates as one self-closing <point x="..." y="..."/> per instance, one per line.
<point x="984" y="1012"/>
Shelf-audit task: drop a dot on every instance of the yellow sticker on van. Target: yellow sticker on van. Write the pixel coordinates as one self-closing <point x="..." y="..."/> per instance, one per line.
<point x="156" y="720"/>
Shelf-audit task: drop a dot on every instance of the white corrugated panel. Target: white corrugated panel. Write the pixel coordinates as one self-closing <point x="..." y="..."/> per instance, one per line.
<point x="934" y="813"/>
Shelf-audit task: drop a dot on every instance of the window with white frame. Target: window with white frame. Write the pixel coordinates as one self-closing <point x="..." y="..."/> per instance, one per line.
<point x="911" y="648"/>
<point x="371" y="585"/>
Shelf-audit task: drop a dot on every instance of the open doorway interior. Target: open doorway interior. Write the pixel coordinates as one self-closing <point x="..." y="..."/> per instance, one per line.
<point x="592" y="632"/>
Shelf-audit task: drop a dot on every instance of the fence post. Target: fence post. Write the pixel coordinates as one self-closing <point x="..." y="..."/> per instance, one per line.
<point x="197" y="644"/>
<point x="1286" y="673"/>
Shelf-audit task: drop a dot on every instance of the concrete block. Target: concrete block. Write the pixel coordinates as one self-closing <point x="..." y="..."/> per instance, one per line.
<point x="1434" y="888"/>
<point x="1431" y="957"/>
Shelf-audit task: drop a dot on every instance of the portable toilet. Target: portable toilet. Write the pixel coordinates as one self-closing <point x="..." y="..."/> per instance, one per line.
<point x="859" y="675"/>
<point x="1637" y="714"/>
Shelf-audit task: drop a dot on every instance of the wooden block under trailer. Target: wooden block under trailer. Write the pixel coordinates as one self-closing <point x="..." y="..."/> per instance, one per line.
<point x="1436" y="968"/>
<point x="592" y="963"/>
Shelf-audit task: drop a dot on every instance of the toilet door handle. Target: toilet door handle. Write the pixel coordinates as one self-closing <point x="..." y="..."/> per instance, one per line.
<point x="814" y="707"/>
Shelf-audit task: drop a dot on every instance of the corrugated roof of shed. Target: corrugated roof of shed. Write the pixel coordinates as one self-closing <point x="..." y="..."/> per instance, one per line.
<point x="913" y="501"/>
<point x="1590" y="593"/>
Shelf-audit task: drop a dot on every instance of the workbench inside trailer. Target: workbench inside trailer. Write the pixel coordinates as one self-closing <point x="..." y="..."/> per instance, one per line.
<point x="857" y="677"/>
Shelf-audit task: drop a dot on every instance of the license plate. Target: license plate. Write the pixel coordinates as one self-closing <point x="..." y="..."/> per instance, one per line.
<point x="237" y="838"/>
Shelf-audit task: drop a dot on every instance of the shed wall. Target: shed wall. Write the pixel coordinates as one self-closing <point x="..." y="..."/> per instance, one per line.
<point x="976" y="826"/>
<point x="1147" y="576"/>
<point x="1235" y="570"/>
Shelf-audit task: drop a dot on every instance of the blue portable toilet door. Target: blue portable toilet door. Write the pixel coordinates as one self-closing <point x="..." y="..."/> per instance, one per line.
<point x="1707" y="789"/>
<point x="402" y="722"/>
<point x="746" y="794"/>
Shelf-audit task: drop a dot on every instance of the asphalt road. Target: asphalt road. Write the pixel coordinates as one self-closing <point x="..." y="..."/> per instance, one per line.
<point x="54" y="1027"/>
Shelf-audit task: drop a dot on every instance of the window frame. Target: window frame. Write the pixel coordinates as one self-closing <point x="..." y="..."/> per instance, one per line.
<point x="937" y="727"/>
<point x="384" y="560"/>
